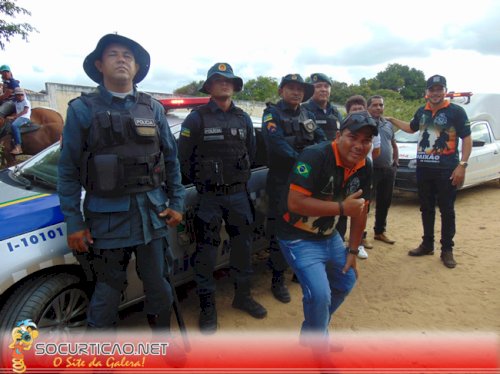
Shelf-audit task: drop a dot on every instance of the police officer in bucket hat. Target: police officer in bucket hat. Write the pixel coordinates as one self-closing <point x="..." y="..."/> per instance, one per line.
<point x="216" y="150"/>
<point x="117" y="145"/>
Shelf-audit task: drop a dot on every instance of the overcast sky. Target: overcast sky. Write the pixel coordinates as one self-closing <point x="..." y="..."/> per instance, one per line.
<point x="347" y="40"/>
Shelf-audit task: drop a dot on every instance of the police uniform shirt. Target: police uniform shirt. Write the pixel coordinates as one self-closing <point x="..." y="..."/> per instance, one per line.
<point x="319" y="173"/>
<point x="132" y="218"/>
<point x="439" y="133"/>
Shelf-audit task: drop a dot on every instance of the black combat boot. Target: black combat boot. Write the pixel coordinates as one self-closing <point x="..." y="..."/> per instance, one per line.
<point x="243" y="300"/>
<point x="278" y="287"/>
<point x="208" y="314"/>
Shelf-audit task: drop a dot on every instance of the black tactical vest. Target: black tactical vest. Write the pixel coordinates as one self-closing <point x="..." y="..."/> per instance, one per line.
<point x="299" y="130"/>
<point x="122" y="152"/>
<point x="329" y="123"/>
<point x="222" y="155"/>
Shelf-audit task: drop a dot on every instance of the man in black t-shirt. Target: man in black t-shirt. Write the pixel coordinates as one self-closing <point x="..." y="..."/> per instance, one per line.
<point x="328" y="180"/>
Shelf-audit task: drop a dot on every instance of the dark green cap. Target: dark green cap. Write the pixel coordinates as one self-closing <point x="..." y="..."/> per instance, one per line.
<point x="225" y="70"/>
<point x="320" y="77"/>
<point x="296" y="78"/>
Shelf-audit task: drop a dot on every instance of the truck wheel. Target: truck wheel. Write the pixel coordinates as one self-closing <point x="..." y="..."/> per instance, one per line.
<point x="55" y="302"/>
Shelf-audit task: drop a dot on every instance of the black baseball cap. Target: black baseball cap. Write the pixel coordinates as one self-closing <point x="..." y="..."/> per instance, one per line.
<point x="436" y="80"/>
<point x="140" y="54"/>
<point x="358" y="120"/>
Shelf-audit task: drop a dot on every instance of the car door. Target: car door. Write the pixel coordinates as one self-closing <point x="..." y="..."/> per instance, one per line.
<point x="484" y="162"/>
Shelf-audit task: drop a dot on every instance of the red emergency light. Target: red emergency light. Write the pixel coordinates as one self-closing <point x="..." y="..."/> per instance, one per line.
<point x="183" y="102"/>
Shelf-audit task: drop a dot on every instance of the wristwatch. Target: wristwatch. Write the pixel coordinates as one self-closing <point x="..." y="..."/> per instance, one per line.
<point x="463" y="163"/>
<point x="353" y="251"/>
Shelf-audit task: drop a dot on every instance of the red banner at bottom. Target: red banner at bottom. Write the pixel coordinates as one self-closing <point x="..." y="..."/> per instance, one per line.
<point x="260" y="352"/>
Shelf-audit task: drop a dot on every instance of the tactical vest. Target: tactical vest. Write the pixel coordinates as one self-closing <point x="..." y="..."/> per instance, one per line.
<point x="122" y="150"/>
<point x="299" y="130"/>
<point x="222" y="155"/>
<point x="328" y="122"/>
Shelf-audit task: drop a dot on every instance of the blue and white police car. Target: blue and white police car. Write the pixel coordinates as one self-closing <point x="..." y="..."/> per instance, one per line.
<point x="41" y="279"/>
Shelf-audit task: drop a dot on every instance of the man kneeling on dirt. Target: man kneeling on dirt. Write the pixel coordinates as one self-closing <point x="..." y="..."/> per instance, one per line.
<point x="329" y="179"/>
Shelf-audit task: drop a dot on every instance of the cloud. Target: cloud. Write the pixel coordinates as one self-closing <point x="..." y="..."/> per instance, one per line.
<point x="482" y="36"/>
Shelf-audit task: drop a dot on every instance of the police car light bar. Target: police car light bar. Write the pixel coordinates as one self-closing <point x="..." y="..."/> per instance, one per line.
<point x="466" y="95"/>
<point x="183" y="102"/>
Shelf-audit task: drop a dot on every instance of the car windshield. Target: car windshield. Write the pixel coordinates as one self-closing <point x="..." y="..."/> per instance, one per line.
<point x="404" y="137"/>
<point x="40" y="169"/>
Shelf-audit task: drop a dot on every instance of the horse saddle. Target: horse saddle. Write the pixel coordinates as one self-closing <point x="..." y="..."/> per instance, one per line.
<point x="25" y="128"/>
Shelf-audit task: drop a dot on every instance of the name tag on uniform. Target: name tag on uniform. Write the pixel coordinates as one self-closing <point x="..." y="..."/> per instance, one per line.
<point x="212" y="130"/>
<point x="145" y="126"/>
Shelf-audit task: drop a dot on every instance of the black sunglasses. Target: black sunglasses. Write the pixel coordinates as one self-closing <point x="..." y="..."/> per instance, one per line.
<point x="358" y="117"/>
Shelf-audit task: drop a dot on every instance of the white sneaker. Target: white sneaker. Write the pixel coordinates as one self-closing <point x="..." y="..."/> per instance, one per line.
<point x="362" y="253"/>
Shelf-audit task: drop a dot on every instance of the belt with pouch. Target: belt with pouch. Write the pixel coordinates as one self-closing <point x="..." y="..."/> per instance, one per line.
<point x="224" y="189"/>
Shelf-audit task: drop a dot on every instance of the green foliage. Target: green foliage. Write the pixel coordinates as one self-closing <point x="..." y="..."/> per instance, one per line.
<point x="410" y="83"/>
<point x="9" y="9"/>
<point x="401" y="109"/>
<point x="401" y="87"/>
<point x="190" y="89"/>
<point x="262" y="89"/>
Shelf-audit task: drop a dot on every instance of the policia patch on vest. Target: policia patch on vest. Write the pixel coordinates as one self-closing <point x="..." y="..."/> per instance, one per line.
<point x="145" y="126"/>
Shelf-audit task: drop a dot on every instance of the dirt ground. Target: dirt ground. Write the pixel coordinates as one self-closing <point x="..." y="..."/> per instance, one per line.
<point x="394" y="292"/>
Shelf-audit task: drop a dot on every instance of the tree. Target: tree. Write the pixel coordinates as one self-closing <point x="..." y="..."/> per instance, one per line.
<point x="190" y="89"/>
<point x="8" y="30"/>
<point x="410" y="83"/>
<point x="261" y="89"/>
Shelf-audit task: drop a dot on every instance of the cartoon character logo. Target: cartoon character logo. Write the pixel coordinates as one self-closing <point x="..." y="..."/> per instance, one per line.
<point x="23" y="336"/>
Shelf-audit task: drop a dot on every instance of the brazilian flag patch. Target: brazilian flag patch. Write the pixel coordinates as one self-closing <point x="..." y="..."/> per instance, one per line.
<point x="267" y="117"/>
<point x="185" y="132"/>
<point x="302" y="169"/>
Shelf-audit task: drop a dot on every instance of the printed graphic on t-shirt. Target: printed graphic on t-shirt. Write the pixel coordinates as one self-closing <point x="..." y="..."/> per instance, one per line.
<point x="316" y="225"/>
<point x="436" y="139"/>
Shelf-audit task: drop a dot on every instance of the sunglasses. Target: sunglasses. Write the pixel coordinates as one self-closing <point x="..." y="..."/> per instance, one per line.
<point x="358" y="117"/>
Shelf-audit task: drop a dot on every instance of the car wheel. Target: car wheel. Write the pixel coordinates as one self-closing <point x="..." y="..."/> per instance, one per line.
<point x="55" y="302"/>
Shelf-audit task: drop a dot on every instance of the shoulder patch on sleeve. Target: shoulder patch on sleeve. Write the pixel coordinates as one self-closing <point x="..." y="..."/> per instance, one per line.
<point x="271" y="127"/>
<point x="185" y="132"/>
<point x="268" y="117"/>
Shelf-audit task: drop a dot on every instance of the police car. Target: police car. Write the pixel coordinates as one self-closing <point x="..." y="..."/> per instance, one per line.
<point x="40" y="278"/>
<point x="483" y="111"/>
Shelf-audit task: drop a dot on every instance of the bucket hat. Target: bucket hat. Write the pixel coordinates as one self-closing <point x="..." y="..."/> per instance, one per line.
<point x="296" y="78"/>
<point x="140" y="54"/>
<point x="225" y="70"/>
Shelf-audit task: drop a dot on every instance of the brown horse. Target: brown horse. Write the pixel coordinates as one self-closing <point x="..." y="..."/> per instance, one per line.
<point x="51" y="123"/>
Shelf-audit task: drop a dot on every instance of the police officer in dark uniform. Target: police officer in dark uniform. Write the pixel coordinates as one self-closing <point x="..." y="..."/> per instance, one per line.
<point x="287" y="128"/>
<point x="216" y="149"/>
<point x="117" y="144"/>
<point x="327" y="115"/>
